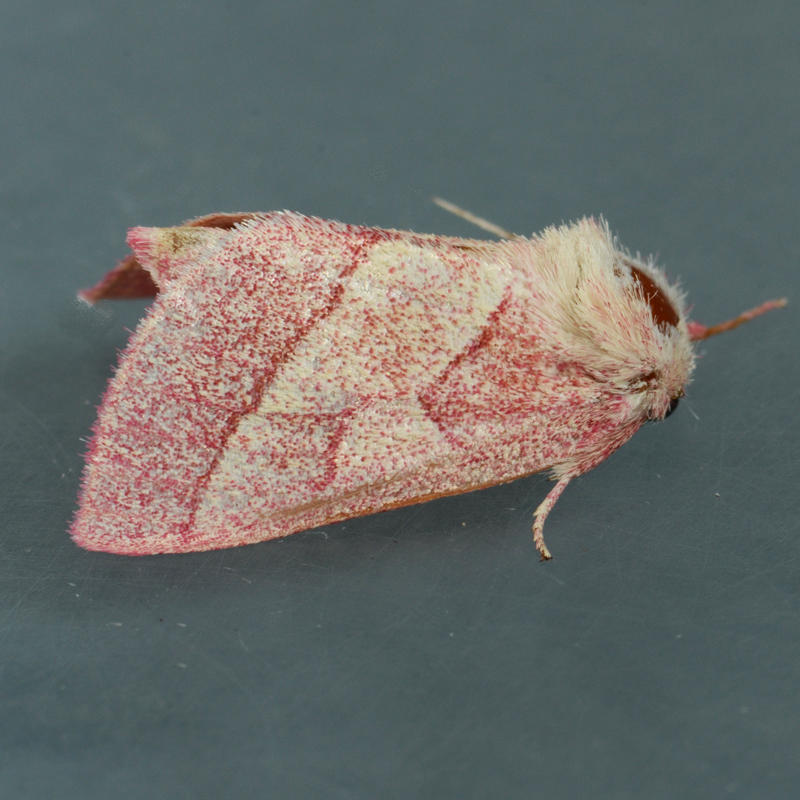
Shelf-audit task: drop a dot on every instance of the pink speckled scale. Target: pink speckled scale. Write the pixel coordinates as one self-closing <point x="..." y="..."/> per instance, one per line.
<point x="294" y="371"/>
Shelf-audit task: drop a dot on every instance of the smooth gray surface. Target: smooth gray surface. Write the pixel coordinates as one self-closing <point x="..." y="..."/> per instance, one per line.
<point x="424" y="652"/>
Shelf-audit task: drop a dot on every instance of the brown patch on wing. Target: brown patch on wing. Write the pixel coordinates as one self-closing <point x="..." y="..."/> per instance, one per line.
<point x="664" y="315"/>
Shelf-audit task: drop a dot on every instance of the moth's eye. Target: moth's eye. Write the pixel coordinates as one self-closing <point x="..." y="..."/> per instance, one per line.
<point x="673" y="404"/>
<point x="663" y="313"/>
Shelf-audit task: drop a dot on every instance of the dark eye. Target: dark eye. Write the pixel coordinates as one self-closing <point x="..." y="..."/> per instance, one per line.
<point x="673" y="404"/>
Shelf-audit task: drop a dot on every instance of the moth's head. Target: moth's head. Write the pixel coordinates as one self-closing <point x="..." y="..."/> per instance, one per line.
<point x="670" y="359"/>
<point x="614" y="314"/>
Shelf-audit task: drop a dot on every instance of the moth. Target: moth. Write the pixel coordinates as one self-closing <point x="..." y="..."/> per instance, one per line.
<point x="294" y="371"/>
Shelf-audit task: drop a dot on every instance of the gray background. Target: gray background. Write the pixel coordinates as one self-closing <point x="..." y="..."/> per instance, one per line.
<point x="424" y="652"/>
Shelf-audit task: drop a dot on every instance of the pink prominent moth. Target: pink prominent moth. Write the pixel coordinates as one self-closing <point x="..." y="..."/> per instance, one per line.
<point x="293" y="372"/>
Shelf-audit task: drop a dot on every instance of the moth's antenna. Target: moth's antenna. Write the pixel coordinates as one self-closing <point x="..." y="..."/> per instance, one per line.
<point x="473" y="218"/>
<point x="698" y="332"/>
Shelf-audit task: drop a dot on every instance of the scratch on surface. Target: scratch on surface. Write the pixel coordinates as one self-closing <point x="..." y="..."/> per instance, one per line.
<point x="43" y="575"/>
<point x="240" y="577"/>
<point x="693" y="412"/>
<point x="554" y="578"/>
<point x="721" y="457"/>
<point x="52" y="439"/>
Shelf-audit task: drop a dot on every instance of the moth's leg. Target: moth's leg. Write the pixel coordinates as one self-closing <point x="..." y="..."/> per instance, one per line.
<point x="540" y="515"/>
<point x="473" y="218"/>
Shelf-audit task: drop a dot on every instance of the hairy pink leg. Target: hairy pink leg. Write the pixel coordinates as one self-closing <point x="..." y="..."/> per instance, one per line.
<point x="540" y="515"/>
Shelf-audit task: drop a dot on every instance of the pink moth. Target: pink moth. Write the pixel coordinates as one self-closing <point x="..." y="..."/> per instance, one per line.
<point x="293" y="372"/>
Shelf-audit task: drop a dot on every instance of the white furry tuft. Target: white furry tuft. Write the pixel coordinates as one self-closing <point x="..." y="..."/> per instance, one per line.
<point x="589" y="305"/>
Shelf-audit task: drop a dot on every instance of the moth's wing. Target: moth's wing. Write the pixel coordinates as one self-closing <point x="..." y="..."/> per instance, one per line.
<point x="138" y="274"/>
<point x="309" y="470"/>
<point x="248" y="330"/>
<point x="135" y="275"/>
<point x="416" y="385"/>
